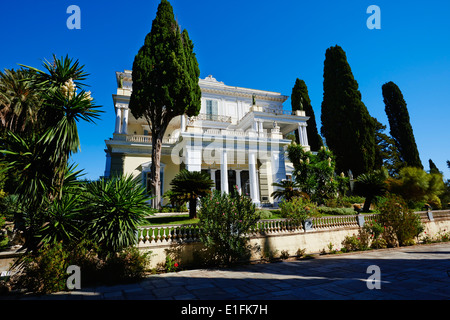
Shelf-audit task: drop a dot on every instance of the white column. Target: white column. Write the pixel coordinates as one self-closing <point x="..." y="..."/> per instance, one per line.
<point x="305" y="136"/>
<point x="255" y="125"/>
<point x="300" y="134"/>
<point x="183" y="123"/>
<point x="118" y="119"/>
<point x="224" y="172"/>
<point x="254" y="194"/>
<point x="193" y="159"/>
<point x="125" y="121"/>
<point x="238" y="181"/>
<point x="213" y="177"/>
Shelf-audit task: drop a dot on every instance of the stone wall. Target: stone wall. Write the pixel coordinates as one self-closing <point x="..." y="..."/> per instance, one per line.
<point x="187" y="252"/>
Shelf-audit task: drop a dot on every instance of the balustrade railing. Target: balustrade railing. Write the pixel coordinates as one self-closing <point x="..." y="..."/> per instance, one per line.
<point x="169" y="234"/>
<point x="141" y="138"/>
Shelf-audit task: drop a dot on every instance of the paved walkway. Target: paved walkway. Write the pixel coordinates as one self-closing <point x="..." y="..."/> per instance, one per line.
<point x="411" y="273"/>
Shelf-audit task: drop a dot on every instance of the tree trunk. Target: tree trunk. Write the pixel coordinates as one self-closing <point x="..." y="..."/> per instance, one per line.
<point x="156" y="169"/>
<point x="192" y="208"/>
<point x="367" y="202"/>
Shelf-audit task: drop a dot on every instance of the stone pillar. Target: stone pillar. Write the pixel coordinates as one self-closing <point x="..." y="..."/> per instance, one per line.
<point x="254" y="189"/>
<point x="224" y="171"/>
<point x="193" y="159"/>
<point x="301" y="135"/>
<point x="238" y="181"/>
<point x="118" y="120"/>
<point x="183" y="123"/>
<point x="305" y="136"/>
<point x="213" y="177"/>
<point x="125" y="121"/>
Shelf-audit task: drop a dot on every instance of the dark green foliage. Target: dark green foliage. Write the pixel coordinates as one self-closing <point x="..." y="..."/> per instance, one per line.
<point x="225" y="221"/>
<point x="314" y="173"/>
<point x="39" y="157"/>
<point x="165" y="82"/>
<point x="46" y="271"/>
<point x="346" y="124"/>
<point x="113" y="210"/>
<point x="287" y="190"/>
<point x="189" y="186"/>
<point x="300" y="101"/>
<point x="400" y="126"/>
<point x="433" y="168"/>
<point x="370" y="185"/>
<point x="386" y="152"/>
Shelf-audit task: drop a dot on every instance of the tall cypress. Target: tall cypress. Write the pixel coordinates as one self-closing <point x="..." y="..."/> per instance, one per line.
<point x="433" y="167"/>
<point x="400" y="126"/>
<point x="300" y="101"/>
<point x="347" y="126"/>
<point x="165" y="83"/>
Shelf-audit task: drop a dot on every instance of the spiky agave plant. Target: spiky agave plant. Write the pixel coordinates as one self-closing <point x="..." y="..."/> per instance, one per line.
<point x="114" y="208"/>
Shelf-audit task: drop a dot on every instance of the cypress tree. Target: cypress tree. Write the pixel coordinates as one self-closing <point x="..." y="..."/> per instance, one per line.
<point x="386" y="153"/>
<point x="300" y="101"/>
<point x="400" y="126"/>
<point x="165" y="83"/>
<point x="347" y="126"/>
<point x="433" y="167"/>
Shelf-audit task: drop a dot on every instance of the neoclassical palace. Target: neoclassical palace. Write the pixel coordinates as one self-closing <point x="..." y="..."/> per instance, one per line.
<point x="239" y="138"/>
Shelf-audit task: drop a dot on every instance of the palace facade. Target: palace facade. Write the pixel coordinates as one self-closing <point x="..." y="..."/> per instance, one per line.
<point x="238" y="138"/>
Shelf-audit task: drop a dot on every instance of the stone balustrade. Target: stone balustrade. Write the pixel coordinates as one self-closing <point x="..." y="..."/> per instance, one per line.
<point x="168" y="234"/>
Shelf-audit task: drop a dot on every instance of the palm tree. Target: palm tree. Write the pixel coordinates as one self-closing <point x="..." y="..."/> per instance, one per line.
<point x="190" y="186"/>
<point x="288" y="190"/>
<point x="19" y="100"/>
<point x="40" y="158"/>
<point x="370" y="185"/>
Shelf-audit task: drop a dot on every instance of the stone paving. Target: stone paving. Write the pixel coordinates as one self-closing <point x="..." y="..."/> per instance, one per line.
<point x="410" y="273"/>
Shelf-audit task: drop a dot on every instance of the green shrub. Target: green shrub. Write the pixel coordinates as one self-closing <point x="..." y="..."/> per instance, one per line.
<point x="401" y="224"/>
<point x="356" y="242"/>
<point x="114" y="208"/>
<point x="171" y="265"/>
<point x="336" y="211"/>
<point x="44" y="272"/>
<point x="264" y="214"/>
<point x="128" y="265"/>
<point x="225" y="221"/>
<point x="298" y="210"/>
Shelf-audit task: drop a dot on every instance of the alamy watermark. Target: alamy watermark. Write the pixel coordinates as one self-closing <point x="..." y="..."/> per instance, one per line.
<point x="74" y="20"/>
<point x="374" y="280"/>
<point x="74" y="280"/>
<point x="374" y="21"/>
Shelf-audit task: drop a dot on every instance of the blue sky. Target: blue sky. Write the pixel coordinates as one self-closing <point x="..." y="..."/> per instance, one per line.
<point x="256" y="44"/>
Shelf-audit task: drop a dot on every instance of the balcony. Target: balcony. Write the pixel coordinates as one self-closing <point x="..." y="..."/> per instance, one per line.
<point x="133" y="138"/>
<point x="211" y="117"/>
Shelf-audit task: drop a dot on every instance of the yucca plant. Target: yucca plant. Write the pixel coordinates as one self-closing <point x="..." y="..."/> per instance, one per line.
<point x="189" y="186"/>
<point x="39" y="159"/>
<point x="63" y="217"/>
<point x="114" y="208"/>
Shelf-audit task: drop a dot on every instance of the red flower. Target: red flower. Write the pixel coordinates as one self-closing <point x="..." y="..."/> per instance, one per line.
<point x="175" y="265"/>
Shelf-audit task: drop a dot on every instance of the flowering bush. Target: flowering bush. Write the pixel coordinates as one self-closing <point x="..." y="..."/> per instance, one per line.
<point x="171" y="265"/>
<point x="225" y="221"/>
<point x="298" y="210"/>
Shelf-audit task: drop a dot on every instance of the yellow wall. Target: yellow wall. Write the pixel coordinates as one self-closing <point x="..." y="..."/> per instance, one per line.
<point x="132" y="165"/>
